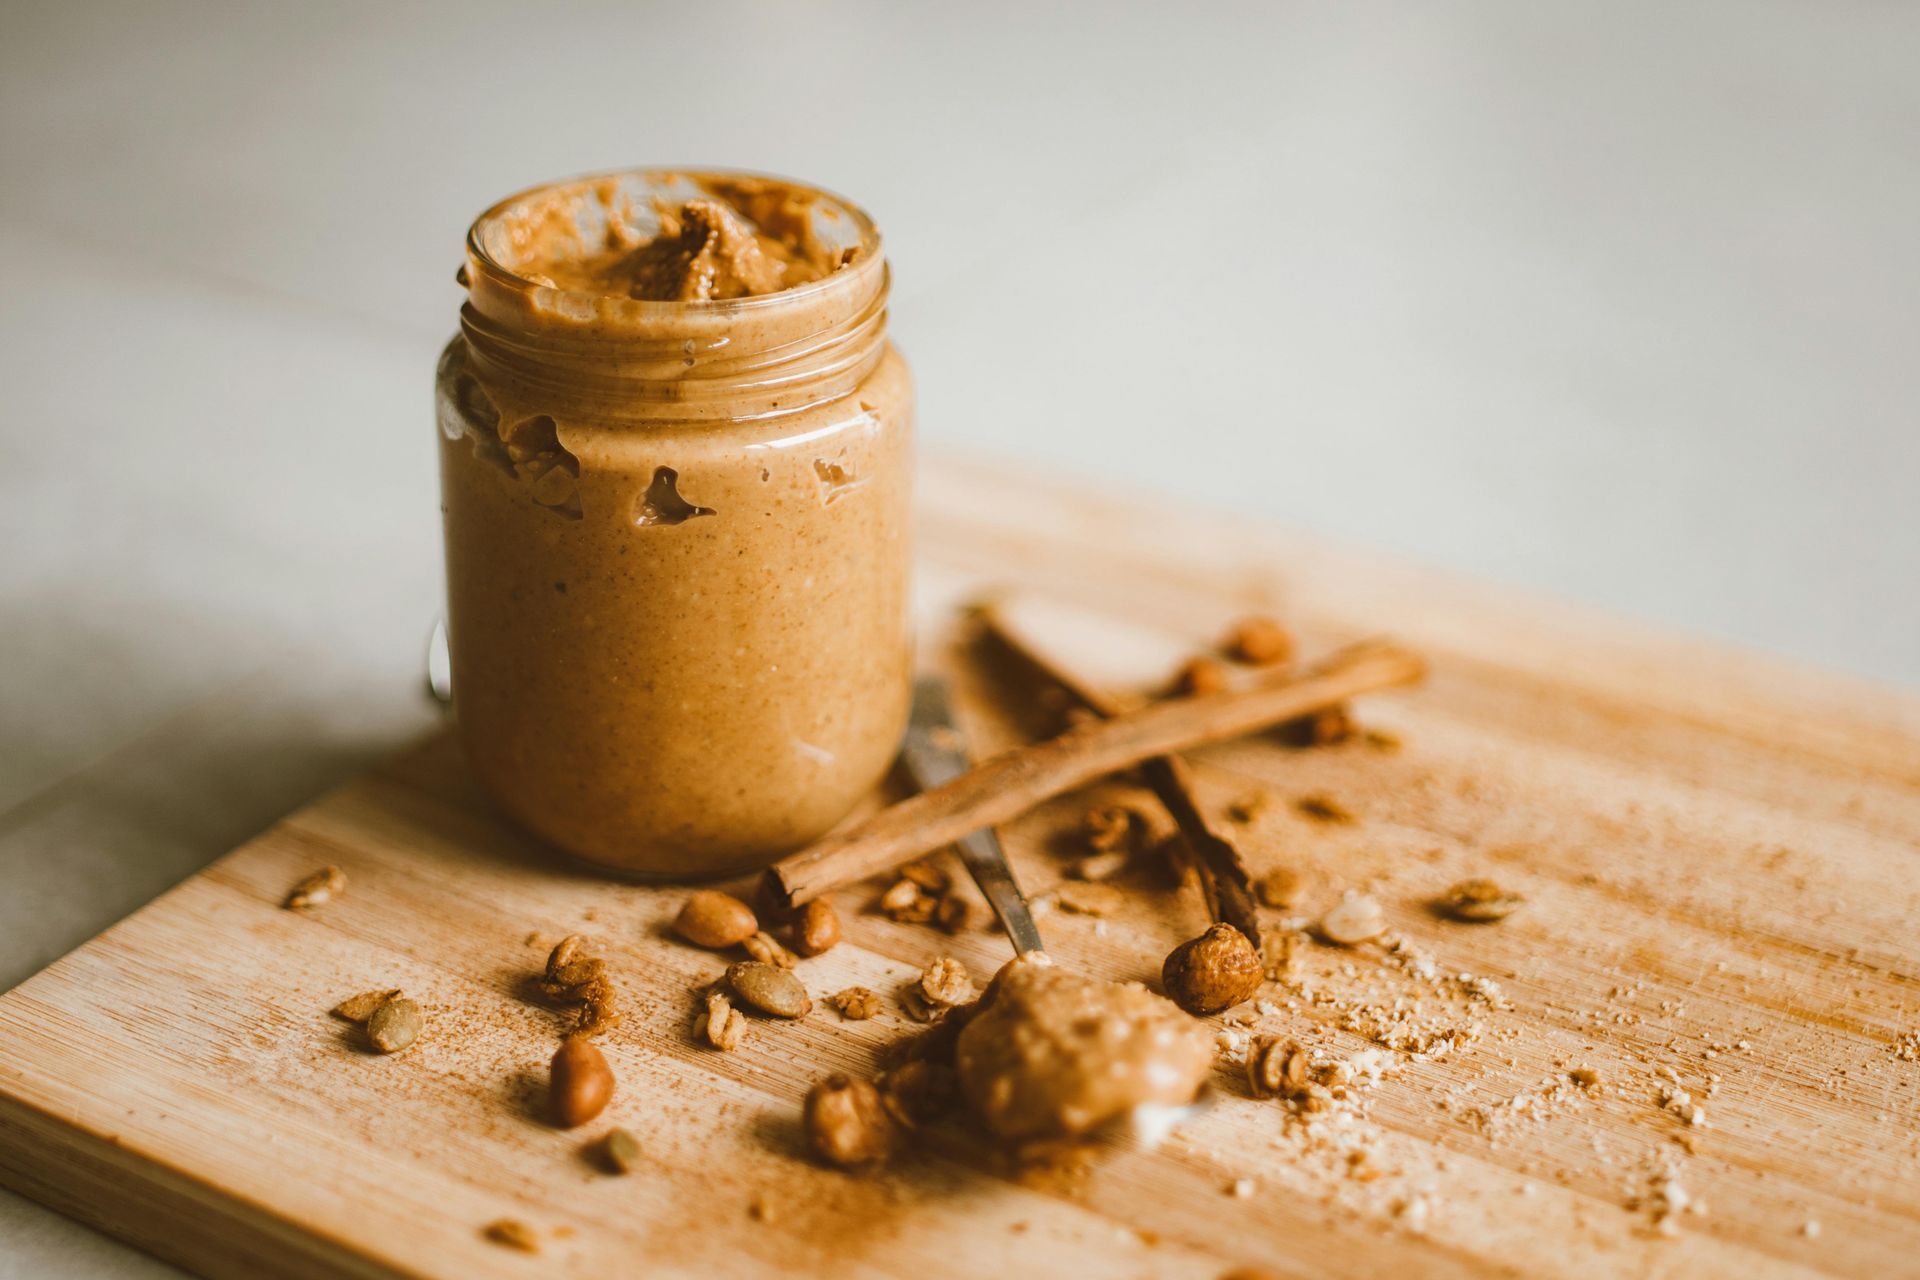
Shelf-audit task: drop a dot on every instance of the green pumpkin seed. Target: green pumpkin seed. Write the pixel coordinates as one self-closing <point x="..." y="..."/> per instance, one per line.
<point x="769" y="989"/>
<point x="394" y="1025"/>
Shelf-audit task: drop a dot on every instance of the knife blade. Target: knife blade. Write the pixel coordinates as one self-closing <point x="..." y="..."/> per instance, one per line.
<point x="934" y="752"/>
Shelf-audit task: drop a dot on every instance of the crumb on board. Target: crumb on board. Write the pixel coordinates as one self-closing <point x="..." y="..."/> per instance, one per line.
<point x="317" y="889"/>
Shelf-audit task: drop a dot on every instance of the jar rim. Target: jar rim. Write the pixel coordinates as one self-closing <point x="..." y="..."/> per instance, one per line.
<point x="872" y="257"/>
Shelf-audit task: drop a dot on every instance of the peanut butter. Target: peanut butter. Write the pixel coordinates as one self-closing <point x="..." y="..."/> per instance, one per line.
<point x="739" y="237"/>
<point x="676" y="460"/>
<point x="1056" y="1055"/>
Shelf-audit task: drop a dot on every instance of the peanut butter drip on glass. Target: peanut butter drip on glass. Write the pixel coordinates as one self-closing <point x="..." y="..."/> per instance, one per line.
<point x="1057" y="1055"/>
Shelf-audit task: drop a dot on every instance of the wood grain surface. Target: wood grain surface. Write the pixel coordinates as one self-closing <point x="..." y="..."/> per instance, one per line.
<point x="1720" y="857"/>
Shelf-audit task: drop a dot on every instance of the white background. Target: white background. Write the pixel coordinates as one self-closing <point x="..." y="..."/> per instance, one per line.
<point x="1615" y="300"/>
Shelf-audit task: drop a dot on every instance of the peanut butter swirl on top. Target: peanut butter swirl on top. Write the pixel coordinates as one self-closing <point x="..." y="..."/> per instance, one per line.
<point x="741" y="237"/>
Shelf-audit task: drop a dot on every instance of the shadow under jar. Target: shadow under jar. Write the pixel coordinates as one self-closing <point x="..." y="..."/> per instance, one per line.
<point x="675" y="458"/>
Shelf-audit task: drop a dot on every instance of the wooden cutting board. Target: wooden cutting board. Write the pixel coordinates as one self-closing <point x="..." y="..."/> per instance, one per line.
<point x="1721" y="861"/>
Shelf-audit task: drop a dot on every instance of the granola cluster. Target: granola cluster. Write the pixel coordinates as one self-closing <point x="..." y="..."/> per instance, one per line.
<point x="575" y="979"/>
<point x="925" y="894"/>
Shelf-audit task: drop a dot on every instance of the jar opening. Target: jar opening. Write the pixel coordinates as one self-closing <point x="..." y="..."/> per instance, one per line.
<point x="556" y="238"/>
<point x="643" y="286"/>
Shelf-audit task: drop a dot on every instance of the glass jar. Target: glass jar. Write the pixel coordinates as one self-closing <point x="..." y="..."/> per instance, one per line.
<point x="676" y="535"/>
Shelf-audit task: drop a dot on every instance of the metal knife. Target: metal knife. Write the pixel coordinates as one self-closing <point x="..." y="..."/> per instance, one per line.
<point x="934" y="753"/>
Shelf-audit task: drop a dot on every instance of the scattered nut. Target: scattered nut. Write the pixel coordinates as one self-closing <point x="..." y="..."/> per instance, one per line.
<point x="908" y="903"/>
<point x="318" y="889"/>
<point x="848" y="1124"/>
<point x="1277" y="951"/>
<point x="766" y="948"/>
<point x="359" y="1008"/>
<point x="770" y="989"/>
<point x="1088" y="898"/>
<point x="946" y="983"/>
<point x="721" y="1024"/>
<point x="579" y="1082"/>
<point x="394" y="1025"/>
<point x="1479" y="902"/>
<point x="566" y="981"/>
<point x="918" y="1008"/>
<point x="1111" y="828"/>
<point x="1278" y="1068"/>
<point x="621" y="1150"/>
<point x="1322" y="728"/>
<point x="713" y="919"/>
<point x="1278" y="887"/>
<point x="1198" y="676"/>
<point x="855" y="1004"/>
<point x="563" y="953"/>
<point x="817" y="931"/>
<point x="1355" y="919"/>
<point x="926" y="894"/>
<point x="1260" y="641"/>
<point x="597" y="1013"/>
<point x="1212" y="972"/>
<point x="1323" y="808"/>
<point x="929" y="875"/>
<point x="572" y="978"/>
<point x="514" y="1234"/>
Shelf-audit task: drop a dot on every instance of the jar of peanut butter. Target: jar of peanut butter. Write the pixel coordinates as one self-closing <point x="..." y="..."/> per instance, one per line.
<point x="675" y="456"/>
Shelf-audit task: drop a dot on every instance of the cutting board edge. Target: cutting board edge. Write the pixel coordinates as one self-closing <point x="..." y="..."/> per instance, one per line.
<point x="96" y="1181"/>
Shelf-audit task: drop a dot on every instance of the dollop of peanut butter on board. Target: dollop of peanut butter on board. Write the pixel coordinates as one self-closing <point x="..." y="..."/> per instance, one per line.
<point x="1056" y="1055"/>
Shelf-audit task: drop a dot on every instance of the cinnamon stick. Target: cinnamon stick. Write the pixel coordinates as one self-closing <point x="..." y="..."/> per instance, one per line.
<point x="1012" y="782"/>
<point x="1215" y="864"/>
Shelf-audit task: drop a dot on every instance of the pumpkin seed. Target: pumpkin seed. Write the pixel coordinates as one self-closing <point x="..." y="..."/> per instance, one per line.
<point x="769" y="989"/>
<point x="394" y="1025"/>
<point x="359" y="1008"/>
<point x="1479" y="902"/>
<point x="622" y="1150"/>
<point x="1353" y="920"/>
